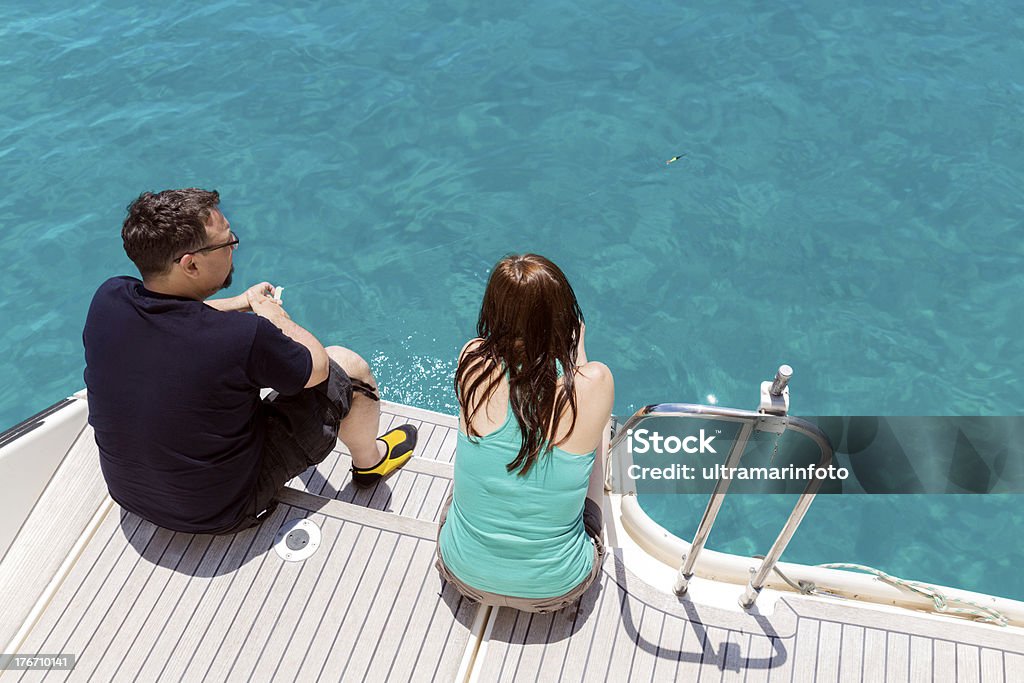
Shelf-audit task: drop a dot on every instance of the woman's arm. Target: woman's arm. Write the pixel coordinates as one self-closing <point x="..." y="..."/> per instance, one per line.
<point x="581" y="351"/>
<point x="593" y="510"/>
<point x="595" y="488"/>
<point x="466" y="348"/>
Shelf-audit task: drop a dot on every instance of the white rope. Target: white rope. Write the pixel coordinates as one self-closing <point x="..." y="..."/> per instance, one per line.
<point x="940" y="600"/>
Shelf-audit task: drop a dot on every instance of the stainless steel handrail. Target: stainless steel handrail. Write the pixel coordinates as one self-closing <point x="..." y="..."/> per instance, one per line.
<point x="797" y="424"/>
<point x="751" y="420"/>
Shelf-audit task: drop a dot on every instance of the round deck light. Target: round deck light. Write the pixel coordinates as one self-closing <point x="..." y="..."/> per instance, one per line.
<point x="297" y="539"/>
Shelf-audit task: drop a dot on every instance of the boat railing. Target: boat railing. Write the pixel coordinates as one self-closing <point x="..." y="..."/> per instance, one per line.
<point x="771" y="417"/>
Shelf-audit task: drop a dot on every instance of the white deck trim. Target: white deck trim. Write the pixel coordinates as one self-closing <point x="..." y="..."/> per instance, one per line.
<point x="58" y="578"/>
<point x="718" y="566"/>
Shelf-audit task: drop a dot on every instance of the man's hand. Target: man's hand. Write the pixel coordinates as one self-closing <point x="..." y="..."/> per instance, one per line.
<point x="242" y="302"/>
<point x="266" y="306"/>
<point x="257" y="293"/>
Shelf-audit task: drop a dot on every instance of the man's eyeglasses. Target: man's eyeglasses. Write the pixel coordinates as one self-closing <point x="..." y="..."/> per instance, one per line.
<point x="233" y="243"/>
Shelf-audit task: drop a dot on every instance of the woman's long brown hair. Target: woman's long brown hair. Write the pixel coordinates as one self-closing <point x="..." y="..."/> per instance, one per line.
<point x="530" y="324"/>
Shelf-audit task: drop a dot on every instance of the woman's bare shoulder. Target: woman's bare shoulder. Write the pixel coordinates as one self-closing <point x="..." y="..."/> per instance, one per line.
<point x="595" y="387"/>
<point x="471" y="345"/>
<point x="595" y="373"/>
<point x="595" y="396"/>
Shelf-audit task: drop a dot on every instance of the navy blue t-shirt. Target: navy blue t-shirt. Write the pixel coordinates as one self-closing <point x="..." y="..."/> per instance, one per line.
<point x="174" y="400"/>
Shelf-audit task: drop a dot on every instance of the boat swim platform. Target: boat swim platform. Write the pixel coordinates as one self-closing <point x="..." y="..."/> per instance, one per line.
<point x="134" y="602"/>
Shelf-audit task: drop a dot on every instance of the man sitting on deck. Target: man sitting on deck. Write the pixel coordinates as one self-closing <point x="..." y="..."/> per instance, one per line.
<point x="174" y="379"/>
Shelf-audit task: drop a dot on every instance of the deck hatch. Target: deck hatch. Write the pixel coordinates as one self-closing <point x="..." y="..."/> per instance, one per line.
<point x="297" y="539"/>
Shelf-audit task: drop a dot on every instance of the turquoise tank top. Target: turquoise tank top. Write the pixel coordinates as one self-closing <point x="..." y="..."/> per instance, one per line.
<point x="513" y="535"/>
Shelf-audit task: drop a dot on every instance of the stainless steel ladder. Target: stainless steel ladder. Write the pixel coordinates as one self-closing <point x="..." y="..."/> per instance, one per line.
<point x="771" y="416"/>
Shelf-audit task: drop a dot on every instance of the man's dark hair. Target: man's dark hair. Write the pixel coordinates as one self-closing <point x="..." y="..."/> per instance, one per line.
<point x="163" y="226"/>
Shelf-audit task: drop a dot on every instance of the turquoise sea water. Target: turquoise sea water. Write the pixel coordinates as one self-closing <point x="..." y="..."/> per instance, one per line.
<point x="850" y="202"/>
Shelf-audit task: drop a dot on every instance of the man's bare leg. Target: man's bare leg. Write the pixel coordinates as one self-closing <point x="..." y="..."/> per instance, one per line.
<point x="358" y="430"/>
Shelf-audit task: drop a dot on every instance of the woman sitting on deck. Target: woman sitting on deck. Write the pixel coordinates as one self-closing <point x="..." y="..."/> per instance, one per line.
<point x="523" y="525"/>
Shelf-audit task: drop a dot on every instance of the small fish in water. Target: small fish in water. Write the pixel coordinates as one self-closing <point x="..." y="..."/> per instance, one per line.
<point x="676" y="158"/>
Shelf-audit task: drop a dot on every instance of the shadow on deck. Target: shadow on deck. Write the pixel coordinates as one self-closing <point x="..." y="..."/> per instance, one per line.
<point x="143" y="603"/>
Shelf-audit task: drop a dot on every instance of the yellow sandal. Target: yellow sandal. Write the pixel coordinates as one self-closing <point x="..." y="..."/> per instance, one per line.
<point x="399" y="444"/>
